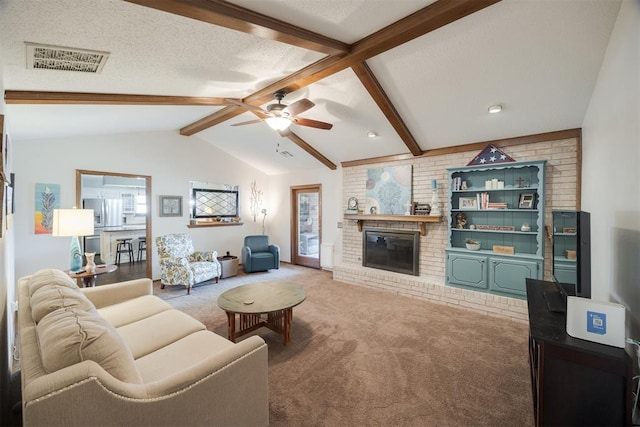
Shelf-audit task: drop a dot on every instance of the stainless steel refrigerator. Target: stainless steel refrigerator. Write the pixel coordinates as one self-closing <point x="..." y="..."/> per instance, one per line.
<point x="106" y="213"/>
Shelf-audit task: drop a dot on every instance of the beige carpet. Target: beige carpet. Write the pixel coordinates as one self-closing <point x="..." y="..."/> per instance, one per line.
<point x="362" y="357"/>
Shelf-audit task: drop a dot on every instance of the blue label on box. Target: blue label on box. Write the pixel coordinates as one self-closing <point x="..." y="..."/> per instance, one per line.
<point x="596" y="322"/>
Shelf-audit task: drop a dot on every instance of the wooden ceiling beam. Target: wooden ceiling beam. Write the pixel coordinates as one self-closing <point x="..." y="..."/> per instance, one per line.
<point x="312" y="151"/>
<point x="228" y="15"/>
<point x="304" y="145"/>
<point x="423" y="21"/>
<point x="371" y="83"/>
<point x="87" y="98"/>
<point x="419" y="23"/>
<point x="206" y="122"/>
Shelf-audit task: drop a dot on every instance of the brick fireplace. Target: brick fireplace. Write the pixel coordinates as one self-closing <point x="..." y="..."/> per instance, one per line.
<point x="429" y="284"/>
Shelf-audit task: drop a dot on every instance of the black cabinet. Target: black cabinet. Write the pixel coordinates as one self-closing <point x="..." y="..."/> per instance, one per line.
<point x="574" y="381"/>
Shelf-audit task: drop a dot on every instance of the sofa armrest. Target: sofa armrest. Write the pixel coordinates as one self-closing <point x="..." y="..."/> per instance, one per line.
<point x="229" y="389"/>
<point x="275" y="250"/>
<point x="102" y="296"/>
<point x="48" y="384"/>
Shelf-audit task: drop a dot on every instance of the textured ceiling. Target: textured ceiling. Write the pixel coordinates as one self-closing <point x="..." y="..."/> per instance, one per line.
<point x="540" y="59"/>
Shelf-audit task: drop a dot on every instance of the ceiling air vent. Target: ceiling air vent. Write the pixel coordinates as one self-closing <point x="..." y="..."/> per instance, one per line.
<point x="47" y="57"/>
<point x="285" y="154"/>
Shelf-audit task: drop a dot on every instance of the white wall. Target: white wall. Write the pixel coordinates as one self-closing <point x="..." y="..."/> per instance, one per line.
<point x="278" y="224"/>
<point x="170" y="159"/>
<point x="611" y="174"/>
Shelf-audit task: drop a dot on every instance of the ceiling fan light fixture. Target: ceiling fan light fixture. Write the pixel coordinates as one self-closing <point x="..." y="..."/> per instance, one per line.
<point x="495" y="108"/>
<point x="278" y="123"/>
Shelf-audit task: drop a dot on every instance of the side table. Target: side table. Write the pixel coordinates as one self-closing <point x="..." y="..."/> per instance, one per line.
<point x="229" y="264"/>
<point x="88" y="280"/>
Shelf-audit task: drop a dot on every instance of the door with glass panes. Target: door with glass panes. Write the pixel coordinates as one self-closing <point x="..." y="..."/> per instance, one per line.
<point x="306" y="225"/>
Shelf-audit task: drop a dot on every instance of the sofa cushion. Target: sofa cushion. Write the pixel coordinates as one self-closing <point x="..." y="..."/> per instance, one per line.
<point x="49" y="276"/>
<point x="132" y="310"/>
<point x="68" y="336"/>
<point x="154" y="332"/>
<point x="180" y="355"/>
<point x="51" y="297"/>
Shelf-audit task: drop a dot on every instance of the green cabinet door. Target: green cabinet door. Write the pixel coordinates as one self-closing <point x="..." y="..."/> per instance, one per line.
<point x="508" y="275"/>
<point x="467" y="270"/>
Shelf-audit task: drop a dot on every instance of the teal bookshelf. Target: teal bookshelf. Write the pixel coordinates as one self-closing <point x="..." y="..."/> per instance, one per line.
<point x="503" y="208"/>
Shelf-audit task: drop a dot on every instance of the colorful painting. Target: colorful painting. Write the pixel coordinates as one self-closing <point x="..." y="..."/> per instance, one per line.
<point x="47" y="198"/>
<point x="388" y="190"/>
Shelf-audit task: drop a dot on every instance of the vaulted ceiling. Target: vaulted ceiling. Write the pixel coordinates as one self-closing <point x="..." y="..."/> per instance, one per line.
<point x="420" y="74"/>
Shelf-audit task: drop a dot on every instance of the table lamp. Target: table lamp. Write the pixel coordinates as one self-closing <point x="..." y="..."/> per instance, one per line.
<point x="74" y="223"/>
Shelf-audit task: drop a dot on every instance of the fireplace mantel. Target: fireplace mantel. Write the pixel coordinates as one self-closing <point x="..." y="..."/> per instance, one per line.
<point x="421" y="220"/>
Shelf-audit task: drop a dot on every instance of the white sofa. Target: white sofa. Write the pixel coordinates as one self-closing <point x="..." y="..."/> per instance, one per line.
<point x="117" y="355"/>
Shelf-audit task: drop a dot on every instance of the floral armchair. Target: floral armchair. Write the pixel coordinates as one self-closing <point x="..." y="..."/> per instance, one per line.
<point x="181" y="265"/>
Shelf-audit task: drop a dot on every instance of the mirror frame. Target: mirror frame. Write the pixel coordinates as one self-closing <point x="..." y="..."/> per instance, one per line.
<point x="147" y="178"/>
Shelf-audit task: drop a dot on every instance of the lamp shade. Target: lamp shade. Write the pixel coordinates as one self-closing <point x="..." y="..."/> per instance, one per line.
<point x="278" y="123"/>
<point x="72" y="222"/>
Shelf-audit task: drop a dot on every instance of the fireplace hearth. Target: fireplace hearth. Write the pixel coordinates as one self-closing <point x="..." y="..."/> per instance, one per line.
<point x="392" y="250"/>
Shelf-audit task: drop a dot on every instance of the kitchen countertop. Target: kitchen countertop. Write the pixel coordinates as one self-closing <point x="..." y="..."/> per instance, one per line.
<point x="124" y="228"/>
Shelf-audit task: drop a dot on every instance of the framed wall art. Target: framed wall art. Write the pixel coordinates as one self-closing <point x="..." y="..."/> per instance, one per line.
<point x="388" y="190"/>
<point x="527" y="201"/>
<point x="468" y="203"/>
<point x="170" y="206"/>
<point x="47" y="198"/>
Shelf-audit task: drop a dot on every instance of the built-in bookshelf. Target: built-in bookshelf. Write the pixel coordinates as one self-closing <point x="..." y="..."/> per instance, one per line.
<point x="501" y="208"/>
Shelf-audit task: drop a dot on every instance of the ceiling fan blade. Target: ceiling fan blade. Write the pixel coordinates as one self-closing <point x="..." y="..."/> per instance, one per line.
<point x="250" y="122"/>
<point x="239" y="103"/>
<point x="299" y="107"/>
<point x="312" y="123"/>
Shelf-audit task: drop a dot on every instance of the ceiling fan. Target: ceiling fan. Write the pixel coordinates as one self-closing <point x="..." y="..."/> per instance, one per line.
<point x="281" y="116"/>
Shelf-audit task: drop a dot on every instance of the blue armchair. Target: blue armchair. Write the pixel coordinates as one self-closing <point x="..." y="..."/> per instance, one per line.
<point x="259" y="255"/>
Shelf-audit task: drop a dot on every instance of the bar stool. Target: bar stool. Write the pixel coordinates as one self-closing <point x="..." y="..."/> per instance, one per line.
<point x="142" y="247"/>
<point x="124" y="246"/>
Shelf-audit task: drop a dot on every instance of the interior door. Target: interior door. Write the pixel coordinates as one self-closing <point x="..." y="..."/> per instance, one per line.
<point x="143" y="200"/>
<point x="306" y="227"/>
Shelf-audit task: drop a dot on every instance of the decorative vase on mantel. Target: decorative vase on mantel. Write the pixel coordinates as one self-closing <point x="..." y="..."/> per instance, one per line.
<point x="91" y="265"/>
<point x="435" y="200"/>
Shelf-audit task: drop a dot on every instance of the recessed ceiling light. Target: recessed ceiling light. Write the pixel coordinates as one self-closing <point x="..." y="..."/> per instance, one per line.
<point x="371" y="134"/>
<point x="495" y="108"/>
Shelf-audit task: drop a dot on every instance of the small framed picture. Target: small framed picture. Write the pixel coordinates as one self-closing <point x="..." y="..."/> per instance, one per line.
<point x="467" y="203"/>
<point x="170" y="206"/>
<point x="527" y="201"/>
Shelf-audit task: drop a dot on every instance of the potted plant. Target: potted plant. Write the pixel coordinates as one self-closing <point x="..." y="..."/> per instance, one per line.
<point x="473" y="245"/>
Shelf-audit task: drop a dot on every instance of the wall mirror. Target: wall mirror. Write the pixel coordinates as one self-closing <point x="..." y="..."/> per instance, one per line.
<point x="213" y="200"/>
<point x="122" y="208"/>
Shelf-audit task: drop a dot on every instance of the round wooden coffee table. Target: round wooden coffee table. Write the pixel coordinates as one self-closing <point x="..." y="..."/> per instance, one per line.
<point x="268" y="304"/>
<point x="89" y="279"/>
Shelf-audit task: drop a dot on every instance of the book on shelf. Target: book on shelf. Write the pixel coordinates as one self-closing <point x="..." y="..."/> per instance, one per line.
<point x="482" y="200"/>
<point x="497" y="205"/>
<point x="457" y="183"/>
